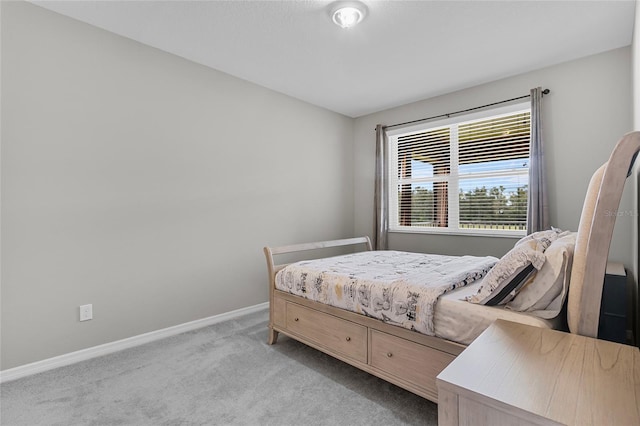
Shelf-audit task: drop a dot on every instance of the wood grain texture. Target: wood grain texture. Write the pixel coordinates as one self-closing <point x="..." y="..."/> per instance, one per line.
<point x="534" y="373"/>
<point x="595" y="230"/>
<point x="407" y="360"/>
<point x="472" y="413"/>
<point x="443" y="345"/>
<point x="279" y="312"/>
<point x="335" y="334"/>
<point x="322" y="244"/>
<point x="272" y="336"/>
<point x="447" y="408"/>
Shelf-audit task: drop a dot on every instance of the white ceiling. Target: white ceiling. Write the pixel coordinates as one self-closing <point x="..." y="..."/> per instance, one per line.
<point x="404" y="51"/>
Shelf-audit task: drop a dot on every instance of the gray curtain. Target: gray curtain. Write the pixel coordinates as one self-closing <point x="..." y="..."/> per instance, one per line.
<point x="537" y="206"/>
<point x="381" y="196"/>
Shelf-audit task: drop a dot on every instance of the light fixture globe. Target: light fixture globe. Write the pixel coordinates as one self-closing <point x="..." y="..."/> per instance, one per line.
<point x="347" y="14"/>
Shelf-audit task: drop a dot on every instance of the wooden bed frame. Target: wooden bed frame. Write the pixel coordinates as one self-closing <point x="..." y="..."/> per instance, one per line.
<point x="412" y="360"/>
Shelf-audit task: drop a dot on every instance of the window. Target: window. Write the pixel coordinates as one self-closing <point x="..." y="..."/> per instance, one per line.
<point x="467" y="175"/>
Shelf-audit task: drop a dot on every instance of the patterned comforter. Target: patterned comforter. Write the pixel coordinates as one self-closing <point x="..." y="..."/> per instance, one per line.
<point x="399" y="288"/>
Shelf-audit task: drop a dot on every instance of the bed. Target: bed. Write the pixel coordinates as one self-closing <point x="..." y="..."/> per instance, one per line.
<point x="343" y="305"/>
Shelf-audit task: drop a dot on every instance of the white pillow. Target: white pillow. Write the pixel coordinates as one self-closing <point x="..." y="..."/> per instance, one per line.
<point x="543" y="294"/>
<point x="551" y="235"/>
<point x="509" y="267"/>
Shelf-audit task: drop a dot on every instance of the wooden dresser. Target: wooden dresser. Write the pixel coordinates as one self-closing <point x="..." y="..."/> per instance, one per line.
<point x="515" y="374"/>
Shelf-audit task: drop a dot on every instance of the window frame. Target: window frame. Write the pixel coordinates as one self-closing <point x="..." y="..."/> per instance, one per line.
<point x="453" y="178"/>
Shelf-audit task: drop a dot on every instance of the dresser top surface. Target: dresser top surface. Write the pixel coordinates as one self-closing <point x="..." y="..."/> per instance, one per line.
<point x="564" y="377"/>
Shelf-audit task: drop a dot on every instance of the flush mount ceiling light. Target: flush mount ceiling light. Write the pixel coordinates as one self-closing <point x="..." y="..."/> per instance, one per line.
<point x="347" y="14"/>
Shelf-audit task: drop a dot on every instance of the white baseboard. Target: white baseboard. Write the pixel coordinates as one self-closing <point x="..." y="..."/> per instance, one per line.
<point x="118" y="345"/>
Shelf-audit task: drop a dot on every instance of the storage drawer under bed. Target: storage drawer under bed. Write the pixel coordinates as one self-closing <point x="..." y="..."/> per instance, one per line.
<point x="409" y="361"/>
<point x="335" y="334"/>
<point x="400" y="360"/>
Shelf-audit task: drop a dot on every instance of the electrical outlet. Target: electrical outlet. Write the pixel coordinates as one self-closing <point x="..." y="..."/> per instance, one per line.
<point x="86" y="312"/>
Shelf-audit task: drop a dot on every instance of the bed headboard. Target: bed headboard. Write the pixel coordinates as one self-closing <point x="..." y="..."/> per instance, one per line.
<point x="594" y="236"/>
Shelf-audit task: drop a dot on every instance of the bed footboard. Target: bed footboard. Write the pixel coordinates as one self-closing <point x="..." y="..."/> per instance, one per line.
<point x="273" y="268"/>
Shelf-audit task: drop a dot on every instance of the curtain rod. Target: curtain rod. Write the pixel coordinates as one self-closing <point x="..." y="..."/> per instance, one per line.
<point x="544" y="92"/>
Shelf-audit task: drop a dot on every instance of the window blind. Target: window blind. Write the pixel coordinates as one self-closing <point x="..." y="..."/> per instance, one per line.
<point x="467" y="176"/>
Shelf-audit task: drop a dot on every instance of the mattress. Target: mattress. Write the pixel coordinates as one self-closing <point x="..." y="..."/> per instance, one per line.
<point x="386" y="285"/>
<point x="462" y="322"/>
<point x="399" y="288"/>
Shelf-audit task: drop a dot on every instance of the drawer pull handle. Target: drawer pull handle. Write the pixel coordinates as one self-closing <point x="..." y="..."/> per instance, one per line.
<point x="348" y="339"/>
<point x="389" y="354"/>
<point x="296" y="319"/>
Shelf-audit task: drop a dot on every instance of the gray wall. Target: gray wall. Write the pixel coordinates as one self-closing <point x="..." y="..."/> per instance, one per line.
<point x="586" y="113"/>
<point x="146" y="185"/>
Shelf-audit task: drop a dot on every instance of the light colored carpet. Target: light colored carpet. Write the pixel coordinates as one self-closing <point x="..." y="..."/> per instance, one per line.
<point x="218" y="375"/>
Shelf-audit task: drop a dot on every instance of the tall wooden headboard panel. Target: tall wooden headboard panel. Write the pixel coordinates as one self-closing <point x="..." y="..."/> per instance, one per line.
<point x="594" y="236"/>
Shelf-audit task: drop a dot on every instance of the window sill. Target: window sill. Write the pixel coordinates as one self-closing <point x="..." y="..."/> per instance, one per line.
<point x="482" y="233"/>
